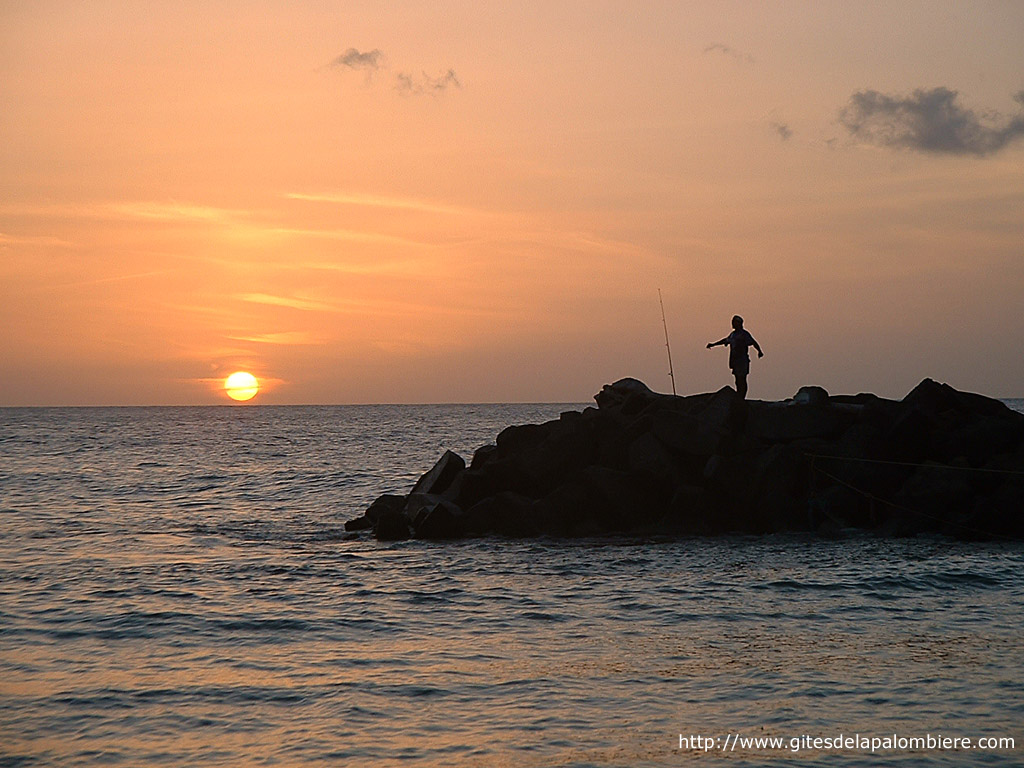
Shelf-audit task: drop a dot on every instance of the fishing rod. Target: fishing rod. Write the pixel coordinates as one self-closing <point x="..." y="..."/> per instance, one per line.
<point x="664" y="324"/>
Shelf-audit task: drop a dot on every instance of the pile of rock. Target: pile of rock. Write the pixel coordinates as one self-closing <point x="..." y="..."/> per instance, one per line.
<point x="939" y="460"/>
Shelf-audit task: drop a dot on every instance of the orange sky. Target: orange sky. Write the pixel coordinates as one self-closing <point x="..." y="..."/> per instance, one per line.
<point x="467" y="202"/>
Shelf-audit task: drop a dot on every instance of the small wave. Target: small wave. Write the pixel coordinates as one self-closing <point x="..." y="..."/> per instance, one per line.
<point x="541" y="616"/>
<point x="263" y="625"/>
<point x="792" y="585"/>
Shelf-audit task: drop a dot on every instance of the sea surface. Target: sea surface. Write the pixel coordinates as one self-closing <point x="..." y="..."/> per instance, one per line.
<point x="176" y="590"/>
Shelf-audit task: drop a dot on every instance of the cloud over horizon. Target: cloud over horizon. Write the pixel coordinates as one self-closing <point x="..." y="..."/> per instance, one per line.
<point x="410" y="85"/>
<point x="354" y="59"/>
<point x="405" y="83"/>
<point x="729" y="51"/>
<point x="928" y="120"/>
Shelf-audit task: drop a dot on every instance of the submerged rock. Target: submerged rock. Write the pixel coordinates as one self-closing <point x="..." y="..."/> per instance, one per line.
<point x="939" y="460"/>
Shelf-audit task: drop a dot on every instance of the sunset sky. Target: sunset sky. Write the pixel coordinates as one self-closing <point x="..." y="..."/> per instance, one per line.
<point x="478" y="202"/>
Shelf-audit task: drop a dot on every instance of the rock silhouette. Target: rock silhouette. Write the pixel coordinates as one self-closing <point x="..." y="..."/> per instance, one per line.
<point x="939" y="460"/>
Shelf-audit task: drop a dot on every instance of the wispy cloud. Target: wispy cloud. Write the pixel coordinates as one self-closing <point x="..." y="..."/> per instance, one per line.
<point x="405" y="82"/>
<point x="376" y="201"/>
<point x="928" y="120"/>
<point x="286" y="301"/>
<point x="411" y="85"/>
<point x="783" y="130"/>
<point x="289" y="338"/>
<point x="117" y="278"/>
<point x="349" y="235"/>
<point x="729" y="51"/>
<point x="35" y="240"/>
<point x="405" y="268"/>
<point x="354" y="59"/>
<point x="173" y="211"/>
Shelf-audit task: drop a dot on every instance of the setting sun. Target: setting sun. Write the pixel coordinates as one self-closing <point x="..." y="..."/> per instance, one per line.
<point x="241" y="385"/>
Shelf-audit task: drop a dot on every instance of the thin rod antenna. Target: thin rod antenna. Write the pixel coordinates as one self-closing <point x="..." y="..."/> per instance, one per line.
<point x="668" y="348"/>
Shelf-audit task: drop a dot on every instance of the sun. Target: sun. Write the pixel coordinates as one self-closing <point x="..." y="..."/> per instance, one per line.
<point x="241" y="385"/>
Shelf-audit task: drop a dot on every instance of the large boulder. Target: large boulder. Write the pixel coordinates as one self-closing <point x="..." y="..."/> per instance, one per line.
<point x="909" y="437"/>
<point x="683" y="433"/>
<point x="391" y="526"/>
<point x="792" y="420"/>
<point x="936" y="492"/>
<point x="505" y="513"/>
<point x="567" y="447"/>
<point x="387" y="502"/>
<point x="482" y="455"/>
<point x="441" y="474"/>
<point x="722" y="412"/>
<point x="779" y="487"/>
<point x="567" y="511"/>
<point x="623" y="390"/>
<point x="434" y="517"/>
<point x="648" y="458"/>
<point x="811" y="396"/>
<point x="621" y="501"/>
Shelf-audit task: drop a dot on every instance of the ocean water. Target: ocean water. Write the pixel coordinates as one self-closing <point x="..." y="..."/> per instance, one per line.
<point x="176" y="590"/>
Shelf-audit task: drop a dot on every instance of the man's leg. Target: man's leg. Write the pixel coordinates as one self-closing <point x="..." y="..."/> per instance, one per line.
<point x="741" y="385"/>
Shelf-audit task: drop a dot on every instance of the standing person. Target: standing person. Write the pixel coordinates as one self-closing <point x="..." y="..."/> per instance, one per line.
<point x="739" y="361"/>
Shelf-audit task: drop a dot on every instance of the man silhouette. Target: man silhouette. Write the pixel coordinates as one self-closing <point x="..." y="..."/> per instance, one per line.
<point x="739" y="360"/>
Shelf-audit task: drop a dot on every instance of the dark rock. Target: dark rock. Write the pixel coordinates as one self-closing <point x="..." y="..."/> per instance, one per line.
<point x="839" y="507"/>
<point x="939" y="460"/>
<point x="780" y="422"/>
<point x="433" y="517"/>
<point x="909" y="437"/>
<point x="999" y="513"/>
<point x="862" y="439"/>
<point x="387" y="502"/>
<point x="369" y="518"/>
<point x="391" y="526"/>
<point x="980" y="439"/>
<point x="693" y="511"/>
<point x="505" y="513"/>
<point x="779" y="488"/>
<point x="564" y="511"/>
<point x="615" y="433"/>
<point x="568" y="446"/>
<point x="719" y="413"/>
<point x="621" y="501"/>
<point x="811" y="396"/>
<point x="416" y="503"/>
<point x="522" y="437"/>
<point x="682" y="433"/>
<point x="361" y="523"/>
<point x="935" y="492"/>
<point x="863" y="399"/>
<point x="482" y="455"/>
<point x="475" y="485"/>
<point x="648" y="458"/>
<point x="441" y="475"/>
<point x="932" y="398"/>
<point x="612" y="395"/>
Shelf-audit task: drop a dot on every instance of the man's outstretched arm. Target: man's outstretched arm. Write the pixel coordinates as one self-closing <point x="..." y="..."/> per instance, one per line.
<point x="757" y="347"/>
<point x="719" y="342"/>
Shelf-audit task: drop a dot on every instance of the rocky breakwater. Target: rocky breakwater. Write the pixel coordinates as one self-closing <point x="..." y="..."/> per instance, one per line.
<point x="939" y="460"/>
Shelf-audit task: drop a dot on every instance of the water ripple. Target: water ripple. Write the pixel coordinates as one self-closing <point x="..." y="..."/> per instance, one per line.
<point x="174" y="591"/>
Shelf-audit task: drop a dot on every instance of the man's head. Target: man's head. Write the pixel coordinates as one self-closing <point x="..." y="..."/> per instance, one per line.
<point x="737" y="322"/>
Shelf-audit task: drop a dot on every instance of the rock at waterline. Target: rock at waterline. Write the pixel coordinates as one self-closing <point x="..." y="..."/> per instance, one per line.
<point x="939" y="460"/>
